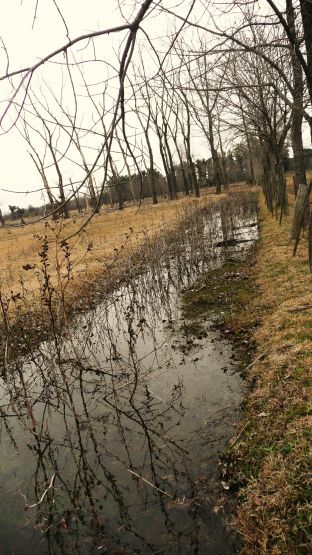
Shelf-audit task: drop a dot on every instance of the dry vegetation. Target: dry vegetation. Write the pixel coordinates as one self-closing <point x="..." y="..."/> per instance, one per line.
<point x="109" y="233"/>
<point x="275" y="450"/>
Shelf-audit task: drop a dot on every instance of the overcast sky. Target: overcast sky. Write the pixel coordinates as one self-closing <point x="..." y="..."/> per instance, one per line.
<point x="27" y="40"/>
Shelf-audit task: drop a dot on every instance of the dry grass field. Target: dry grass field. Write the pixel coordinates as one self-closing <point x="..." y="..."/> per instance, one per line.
<point x="111" y="233"/>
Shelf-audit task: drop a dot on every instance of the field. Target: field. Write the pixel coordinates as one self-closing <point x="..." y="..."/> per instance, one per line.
<point x="110" y="234"/>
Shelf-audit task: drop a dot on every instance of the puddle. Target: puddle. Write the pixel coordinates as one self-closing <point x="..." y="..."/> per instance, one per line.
<point x="111" y="436"/>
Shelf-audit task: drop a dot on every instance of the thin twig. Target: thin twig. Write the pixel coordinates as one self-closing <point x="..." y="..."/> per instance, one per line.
<point x="262" y="355"/>
<point x="43" y="495"/>
<point x="149" y="483"/>
<point x="239" y="435"/>
<point x="299" y="308"/>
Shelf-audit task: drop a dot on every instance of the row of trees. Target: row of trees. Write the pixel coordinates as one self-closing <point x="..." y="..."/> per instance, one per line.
<point x="123" y="189"/>
<point x="162" y="145"/>
<point x="231" y="81"/>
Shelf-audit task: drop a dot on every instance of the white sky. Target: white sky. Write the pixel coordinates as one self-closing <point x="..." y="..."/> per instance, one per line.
<point x="26" y="45"/>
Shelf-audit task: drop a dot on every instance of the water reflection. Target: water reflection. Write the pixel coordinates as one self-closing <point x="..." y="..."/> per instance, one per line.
<point x="110" y="435"/>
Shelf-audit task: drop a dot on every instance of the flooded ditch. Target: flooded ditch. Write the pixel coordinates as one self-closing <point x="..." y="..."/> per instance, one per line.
<point x="111" y="434"/>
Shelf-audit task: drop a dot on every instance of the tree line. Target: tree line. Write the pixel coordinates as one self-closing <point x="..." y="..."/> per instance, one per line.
<point x="219" y="76"/>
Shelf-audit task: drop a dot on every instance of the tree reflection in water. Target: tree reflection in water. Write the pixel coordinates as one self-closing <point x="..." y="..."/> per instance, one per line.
<point x="111" y="433"/>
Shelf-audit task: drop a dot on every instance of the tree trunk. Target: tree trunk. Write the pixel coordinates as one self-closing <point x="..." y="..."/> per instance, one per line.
<point x="64" y="209"/>
<point x="306" y="14"/>
<point x="252" y="173"/>
<point x="223" y="168"/>
<point x="171" y="164"/>
<point x="152" y="179"/>
<point x="282" y="199"/>
<point x="184" y="176"/>
<point x="166" y="167"/>
<point x="119" y="196"/>
<point x="297" y="110"/>
<point x="116" y="183"/>
<point x="214" y="155"/>
<point x="76" y="198"/>
<point x="302" y="200"/>
<point x="189" y="154"/>
<point x="267" y="183"/>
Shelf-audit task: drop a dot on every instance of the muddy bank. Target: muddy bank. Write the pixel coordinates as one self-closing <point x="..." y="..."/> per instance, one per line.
<point x="223" y="296"/>
<point x="112" y="432"/>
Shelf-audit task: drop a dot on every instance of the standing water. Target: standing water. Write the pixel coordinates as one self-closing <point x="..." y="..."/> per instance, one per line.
<point x="111" y="436"/>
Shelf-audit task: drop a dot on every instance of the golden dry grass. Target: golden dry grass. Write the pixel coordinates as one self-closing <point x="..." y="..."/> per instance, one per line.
<point x="275" y="452"/>
<point x="108" y="232"/>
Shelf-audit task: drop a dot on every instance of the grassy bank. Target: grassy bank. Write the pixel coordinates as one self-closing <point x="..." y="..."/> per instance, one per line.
<point x="274" y="453"/>
<point x="267" y="308"/>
